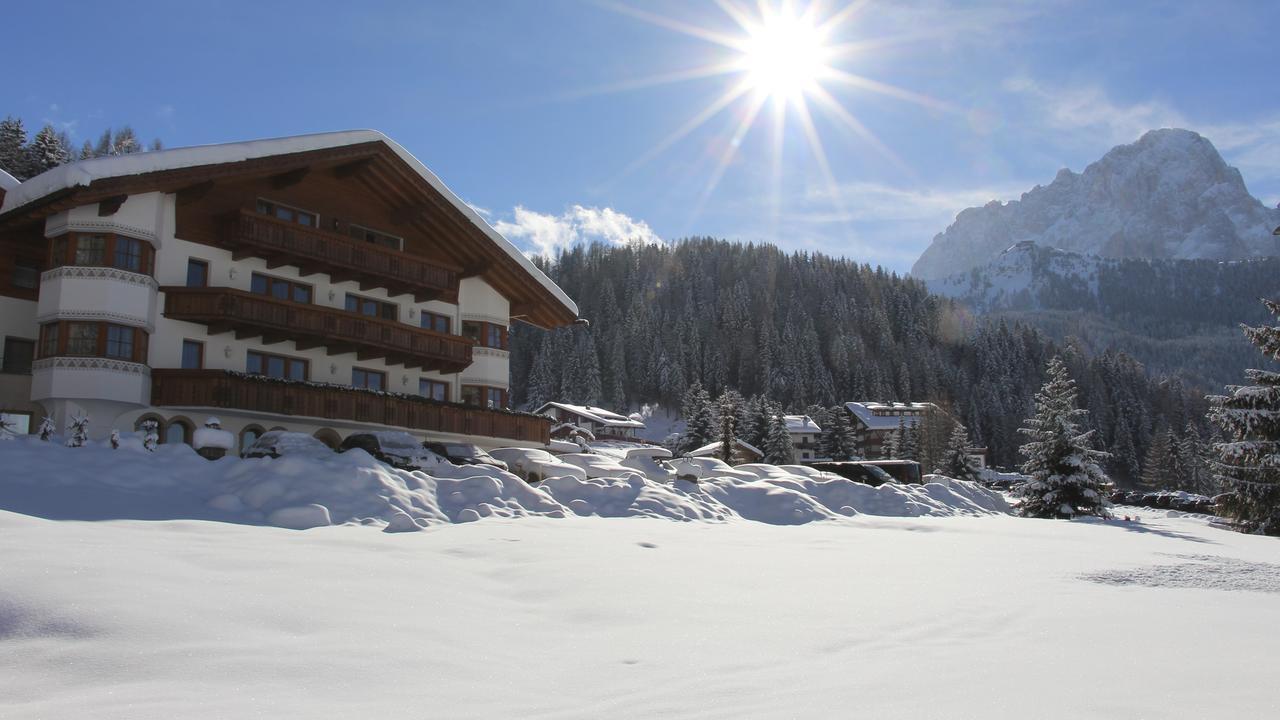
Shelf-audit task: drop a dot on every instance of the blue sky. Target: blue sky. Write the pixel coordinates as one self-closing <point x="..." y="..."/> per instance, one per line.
<point x="534" y="111"/>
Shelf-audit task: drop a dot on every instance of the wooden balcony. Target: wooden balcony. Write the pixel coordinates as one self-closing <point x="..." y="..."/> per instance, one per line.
<point x="311" y="326"/>
<point x="236" y="391"/>
<point x="251" y="234"/>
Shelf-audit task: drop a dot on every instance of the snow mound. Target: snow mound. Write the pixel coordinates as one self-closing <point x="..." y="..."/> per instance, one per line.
<point x="306" y="491"/>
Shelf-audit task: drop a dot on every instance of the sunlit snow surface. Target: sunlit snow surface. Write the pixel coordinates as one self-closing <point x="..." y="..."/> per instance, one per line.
<point x="977" y="616"/>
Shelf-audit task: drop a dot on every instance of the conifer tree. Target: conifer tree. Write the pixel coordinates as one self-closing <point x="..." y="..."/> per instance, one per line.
<point x="1065" y="479"/>
<point x="892" y="448"/>
<point x="13" y="148"/>
<point x="78" y="431"/>
<point x="956" y="462"/>
<point x="839" y="442"/>
<point x="1248" y="462"/>
<point x="699" y="418"/>
<point x="728" y="427"/>
<point x="1198" y="477"/>
<point x="1156" y="468"/>
<point x="46" y="151"/>
<point x="777" y="446"/>
<point x="909" y="443"/>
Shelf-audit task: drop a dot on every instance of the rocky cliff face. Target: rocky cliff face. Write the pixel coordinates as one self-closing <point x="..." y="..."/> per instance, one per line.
<point x="1168" y="195"/>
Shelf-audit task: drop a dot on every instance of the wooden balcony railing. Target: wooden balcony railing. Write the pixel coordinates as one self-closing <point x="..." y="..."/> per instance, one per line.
<point x="310" y="326"/>
<point x="230" y="390"/>
<point x="250" y="234"/>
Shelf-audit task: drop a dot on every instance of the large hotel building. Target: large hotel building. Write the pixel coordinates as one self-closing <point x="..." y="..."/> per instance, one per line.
<point x="327" y="284"/>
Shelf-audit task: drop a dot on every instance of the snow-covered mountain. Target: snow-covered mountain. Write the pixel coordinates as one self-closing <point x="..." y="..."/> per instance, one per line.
<point x="1027" y="276"/>
<point x="1168" y="195"/>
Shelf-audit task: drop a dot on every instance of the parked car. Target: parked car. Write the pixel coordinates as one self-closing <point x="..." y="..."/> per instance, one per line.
<point x="904" y="471"/>
<point x="764" y="471"/>
<point x="705" y="468"/>
<point x="857" y="471"/>
<point x="652" y="462"/>
<point x="464" y="454"/>
<point x="281" y="443"/>
<point x="597" y="466"/>
<point x="536" y="465"/>
<point x="1119" y="497"/>
<point x="397" y="449"/>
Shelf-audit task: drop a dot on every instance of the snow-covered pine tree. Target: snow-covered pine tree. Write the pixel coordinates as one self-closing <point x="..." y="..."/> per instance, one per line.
<point x="46" y="429"/>
<point x="1065" y="478"/>
<point x="1197" y="475"/>
<point x="892" y="447"/>
<point x="909" y="442"/>
<point x="956" y="462"/>
<point x="13" y="147"/>
<point x="151" y="434"/>
<point x="840" y="443"/>
<point x="78" y="431"/>
<point x="728" y="427"/>
<point x="699" y="418"/>
<point x="1156" y="468"/>
<point x="757" y="429"/>
<point x="46" y="151"/>
<point x="777" y="446"/>
<point x="1248" y="462"/>
<point x="544" y="384"/>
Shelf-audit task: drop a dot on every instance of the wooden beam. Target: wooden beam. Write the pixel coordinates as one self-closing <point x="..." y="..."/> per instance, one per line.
<point x="111" y="205"/>
<point x="290" y="178"/>
<point x="408" y="213"/>
<point x="475" y="269"/>
<point x="351" y="169"/>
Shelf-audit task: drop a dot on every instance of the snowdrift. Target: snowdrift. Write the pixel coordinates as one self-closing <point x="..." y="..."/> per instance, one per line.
<point x="97" y="483"/>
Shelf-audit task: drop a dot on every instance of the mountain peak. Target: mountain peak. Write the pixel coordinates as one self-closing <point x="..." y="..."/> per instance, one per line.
<point x="1169" y="194"/>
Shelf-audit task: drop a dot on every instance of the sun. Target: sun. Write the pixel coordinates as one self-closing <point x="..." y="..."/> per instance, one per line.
<point x="784" y="55"/>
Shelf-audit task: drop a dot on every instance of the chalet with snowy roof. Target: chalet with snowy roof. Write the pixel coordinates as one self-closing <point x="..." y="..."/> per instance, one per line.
<point x="804" y="436"/>
<point x="874" y="422"/>
<point x="600" y="423"/>
<point x="327" y="283"/>
<point x="743" y="452"/>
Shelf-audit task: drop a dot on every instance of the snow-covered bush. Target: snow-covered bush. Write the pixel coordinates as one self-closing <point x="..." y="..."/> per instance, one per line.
<point x="151" y="434"/>
<point x="46" y="429"/>
<point x="78" y="431"/>
<point x="115" y="439"/>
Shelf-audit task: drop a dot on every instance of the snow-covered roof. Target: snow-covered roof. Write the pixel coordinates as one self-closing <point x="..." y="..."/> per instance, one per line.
<point x="7" y="181"/>
<point x="607" y="418"/>
<point x="714" y="448"/>
<point x="84" y="172"/>
<point x="797" y="424"/>
<point x="866" y="413"/>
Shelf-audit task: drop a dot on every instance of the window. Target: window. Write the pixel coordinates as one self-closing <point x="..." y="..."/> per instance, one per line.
<point x="280" y="288"/>
<point x="372" y="308"/>
<point x="484" y="396"/>
<point x="49" y="340"/>
<point x="18" y="423"/>
<point x="26" y="274"/>
<point x="177" y="433"/>
<point x="82" y="339"/>
<point x="276" y="366"/>
<point x="18" y="354"/>
<point x="192" y="355"/>
<point x="197" y="273"/>
<point x="486" y="334"/>
<point x="368" y="379"/>
<point x="120" y="342"/>
<point x="288" y="214"/>
<point x="90" y="250"/>
<point x="435" y="321"/>
<point x="377" y="238"/>
<point x="96" y="250"/>
<point x="248" y="437"/>
<point x="433" y="389"/>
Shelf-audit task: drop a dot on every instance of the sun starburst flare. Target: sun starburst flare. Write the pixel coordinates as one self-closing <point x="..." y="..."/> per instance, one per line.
<point x="785" y="54"/>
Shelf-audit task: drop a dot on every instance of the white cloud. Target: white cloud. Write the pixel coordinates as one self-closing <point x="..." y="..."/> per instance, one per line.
<point x="545" y="234"/>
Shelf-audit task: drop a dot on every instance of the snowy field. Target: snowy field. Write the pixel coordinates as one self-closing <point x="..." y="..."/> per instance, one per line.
<point x="971" y="615"/>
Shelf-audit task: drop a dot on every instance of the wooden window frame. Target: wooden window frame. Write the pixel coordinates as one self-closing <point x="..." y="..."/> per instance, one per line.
<point x="5" y="368"/>
<point x="25" y="264"/>
<point x="182" y="357"/>
<point x="381" y="374"/>
<point x="292" y="285"/>
<point x="428" y="382"/>
<point x="54" y="337"/>
<point x="274" y="205"/>
<point x="64" y="249"/>
<point x="382" y="306"/>
<point x="484" y="330"/>
<point x="306" y="365"/>
<point x="484" y="391"/>
<point x="433" y="316"/>
<point x="352" y="228"/>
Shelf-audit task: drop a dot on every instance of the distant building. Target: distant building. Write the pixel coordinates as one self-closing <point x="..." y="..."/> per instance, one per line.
<point x="873" y="422"/>
<point x="602" y="424"/>
<point x="743" y="452"/>
<point x="804" y="436"/>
